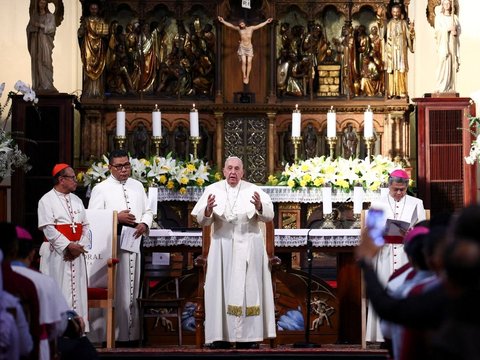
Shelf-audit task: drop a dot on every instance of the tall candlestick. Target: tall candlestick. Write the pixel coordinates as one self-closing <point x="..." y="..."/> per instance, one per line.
<point x="331" y="123"/>
<point x="156" y="122"/>
<point x="368" y="123"/>
<point x="296" y="122"/>
<point x="194" y="122"/>
<point x="120" y="121"/>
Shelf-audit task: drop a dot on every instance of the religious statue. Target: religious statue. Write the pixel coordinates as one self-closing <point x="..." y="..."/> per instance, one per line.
<point x="376" y="52"/>
<point x="245" y="47"/>
<point x="310" y="142"/>
<point x="349" y="142"/>
<point x="140" y="139"/>
<point x="41" y="30"/>
<point x="148" y="55"/>
<point x="349" y="68"/>
<point x="92" y="35"/>
<point x="181" y="142"/>
<point x="371" y="77"/>
<point x="400" y="40"/>
<point x="447" y="32"/>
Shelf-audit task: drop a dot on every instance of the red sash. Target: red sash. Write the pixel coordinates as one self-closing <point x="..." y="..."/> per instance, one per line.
<point x="67" y="231"/>
<point x="393" y="239"/>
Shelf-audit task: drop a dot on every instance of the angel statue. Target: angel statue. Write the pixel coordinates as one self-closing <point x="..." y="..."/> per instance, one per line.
<point x="41" y="30"/>
<point x="447" y="32"/>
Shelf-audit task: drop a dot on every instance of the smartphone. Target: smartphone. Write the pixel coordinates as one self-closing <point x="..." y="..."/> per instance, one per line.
<point x="375" y="222"/>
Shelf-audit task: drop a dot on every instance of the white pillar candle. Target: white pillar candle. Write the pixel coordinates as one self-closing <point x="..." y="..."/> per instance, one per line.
<point x="120" y="121"/>
<point x="156" y="122"/>
<point x="368" y="123"/>
<point x="331" y="123"/>
<point x="327" y="200"/>
<point x="357" y="199"/>
<point x="296" y="122"/>
<point x="153" y="199"/>
<point x="194" y="122"/>
<point x="384" y="191"/>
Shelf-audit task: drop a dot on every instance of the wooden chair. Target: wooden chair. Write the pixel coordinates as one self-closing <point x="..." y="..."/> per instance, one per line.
<point x="201" y="263"/>
<point x="103" y="297"/>
<point x="160" y="298"/>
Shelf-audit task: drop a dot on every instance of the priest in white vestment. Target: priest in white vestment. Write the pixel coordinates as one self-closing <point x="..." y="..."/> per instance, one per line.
<point x="239" y="305"/>
<point x="398" y="206"/>
<point x="127" y="196"/>
<point x="62" y="218"/>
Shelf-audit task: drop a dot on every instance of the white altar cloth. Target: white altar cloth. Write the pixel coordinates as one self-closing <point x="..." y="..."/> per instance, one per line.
<point x="283" y="238"/>
<point x="277" y="194"/>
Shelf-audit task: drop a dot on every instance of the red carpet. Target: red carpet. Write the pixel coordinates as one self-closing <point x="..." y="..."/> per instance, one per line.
<point x="265" y="352"/>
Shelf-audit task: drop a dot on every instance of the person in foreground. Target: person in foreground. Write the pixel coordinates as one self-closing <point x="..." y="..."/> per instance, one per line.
<point x="400" y="206"/>
<point x="63" y="221"/>
<point x="447" y="311"/>
<point x="127" y="196"/>
<point x="239" y="306"/>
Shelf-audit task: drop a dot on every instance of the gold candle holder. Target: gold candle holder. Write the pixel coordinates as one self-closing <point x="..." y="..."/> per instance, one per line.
<point x="368" y="143"/>
<point x="157" y="140"/>
<point x="328" y="221"/>
<point x="356" y="221"/>
<point x="195" y="140"/>
<point x="120" y="141"/>
<point x="332" y="142"/>
<point x="296" y="141"/>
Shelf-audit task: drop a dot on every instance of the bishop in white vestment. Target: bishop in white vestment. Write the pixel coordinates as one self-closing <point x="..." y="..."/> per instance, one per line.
<point x="62" y="218"/>
<point x="398" y="206"/>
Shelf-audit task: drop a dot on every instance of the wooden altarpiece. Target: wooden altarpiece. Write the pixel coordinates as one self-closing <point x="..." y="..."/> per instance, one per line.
<point x="299" y="59"/>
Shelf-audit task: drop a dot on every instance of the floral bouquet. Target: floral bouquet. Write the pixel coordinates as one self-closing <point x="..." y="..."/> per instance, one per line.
<point x="340" y="173"/>
<point x="11" y="157"/>
<point x="166" y="171"/>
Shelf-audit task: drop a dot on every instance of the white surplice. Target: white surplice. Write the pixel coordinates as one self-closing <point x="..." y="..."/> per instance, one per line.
<point x="115" y="195"/>
<point x="239" y="304"/>
<point x="71" y="276"/>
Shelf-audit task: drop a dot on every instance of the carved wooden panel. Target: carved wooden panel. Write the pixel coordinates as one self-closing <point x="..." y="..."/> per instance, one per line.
<point x="246" y="137"/>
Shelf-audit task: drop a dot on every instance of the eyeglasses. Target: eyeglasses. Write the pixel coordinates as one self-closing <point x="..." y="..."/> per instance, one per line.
<point x="71" y="177"/>
<point x="119" y="167"/>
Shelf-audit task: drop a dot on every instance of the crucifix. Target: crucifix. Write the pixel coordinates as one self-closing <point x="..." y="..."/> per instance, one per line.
<point x="74" y="227"/>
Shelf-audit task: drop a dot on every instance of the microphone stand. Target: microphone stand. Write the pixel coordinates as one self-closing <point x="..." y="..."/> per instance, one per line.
<point x="307" y="343"/>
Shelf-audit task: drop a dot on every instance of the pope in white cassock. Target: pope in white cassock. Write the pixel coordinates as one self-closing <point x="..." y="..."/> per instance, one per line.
<point x="398" y="206"/>
<point x="127" y="196"/>
<point x="239" y="306"/>
<point x="61" y="217"/>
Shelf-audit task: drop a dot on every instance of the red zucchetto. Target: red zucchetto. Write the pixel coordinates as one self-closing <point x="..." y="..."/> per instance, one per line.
<point x="59" y="167"/>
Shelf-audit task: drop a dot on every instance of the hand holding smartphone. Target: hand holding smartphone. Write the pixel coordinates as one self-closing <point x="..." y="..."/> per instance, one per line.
<point x="375" y="222"/>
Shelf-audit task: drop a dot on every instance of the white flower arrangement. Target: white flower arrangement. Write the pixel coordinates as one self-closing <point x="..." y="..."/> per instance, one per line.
<point x="339" y="173"/>
<point x="474" y="154"/>
<point x="11" y="157"/>
<point x="166" y="171"/>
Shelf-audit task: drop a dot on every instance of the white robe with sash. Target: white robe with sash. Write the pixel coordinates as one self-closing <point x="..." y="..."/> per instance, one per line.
<point x="239" y="304"/>
<point x="391" y="256"/>
<point x="71" y="276"/>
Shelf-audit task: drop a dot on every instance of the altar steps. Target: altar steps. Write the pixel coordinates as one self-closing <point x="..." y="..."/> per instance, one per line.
<point x="345" y="352"/>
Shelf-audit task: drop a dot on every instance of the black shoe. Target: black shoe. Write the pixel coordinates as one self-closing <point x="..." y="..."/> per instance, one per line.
<point x="219" y="345"/>
<point x="247" y="345"/>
